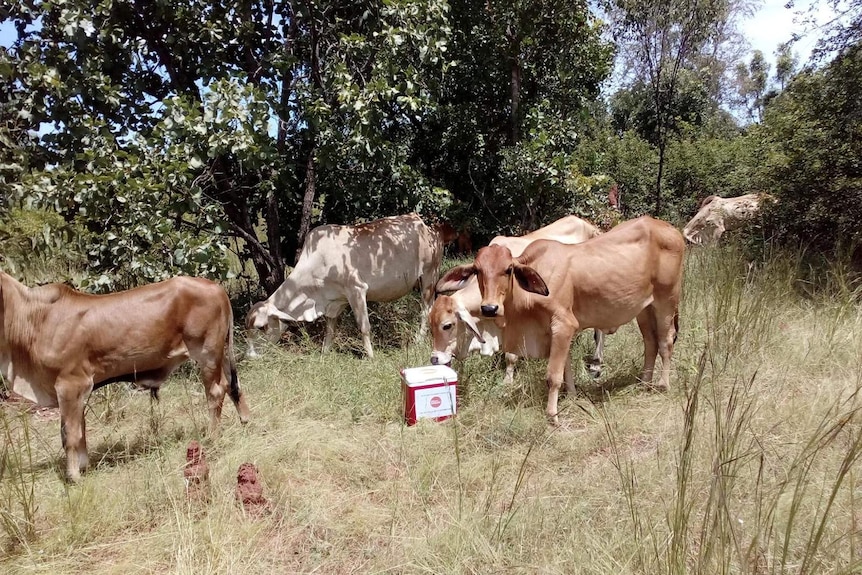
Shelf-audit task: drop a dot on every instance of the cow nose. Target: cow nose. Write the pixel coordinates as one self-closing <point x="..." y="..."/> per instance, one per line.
<point x="434" y="360"/>
<point x="489" y="310"/>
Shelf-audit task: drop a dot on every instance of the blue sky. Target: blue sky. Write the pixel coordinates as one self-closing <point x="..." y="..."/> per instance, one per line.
<point x="773" y="24"/>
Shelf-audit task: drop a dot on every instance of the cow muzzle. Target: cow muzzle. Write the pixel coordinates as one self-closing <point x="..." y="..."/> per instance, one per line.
<point x="490" y="310"/>
<point x="440" y="358"/>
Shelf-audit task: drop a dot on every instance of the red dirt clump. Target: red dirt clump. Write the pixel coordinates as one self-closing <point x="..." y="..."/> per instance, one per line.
<point x="196" y="473"/>
<point x="249" y="491"/>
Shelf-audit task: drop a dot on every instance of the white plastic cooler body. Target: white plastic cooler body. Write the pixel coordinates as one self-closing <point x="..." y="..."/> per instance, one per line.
<point x="429" y="392"/>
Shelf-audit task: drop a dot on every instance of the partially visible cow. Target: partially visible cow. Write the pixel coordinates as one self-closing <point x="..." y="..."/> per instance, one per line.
<point x="457" y="326"/>
<point x="350" y="265"/>
<point x="57" y="345"/>
<point x="553" y="291"/>
<point x="717" y="215"/>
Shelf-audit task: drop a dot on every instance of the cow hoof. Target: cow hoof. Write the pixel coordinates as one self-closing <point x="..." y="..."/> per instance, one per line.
<point x="595" y="371"/>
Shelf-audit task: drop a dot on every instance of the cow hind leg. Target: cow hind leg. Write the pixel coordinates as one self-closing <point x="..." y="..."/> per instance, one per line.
<point x="72" y="397"/>
<point x="595" y="364"/>
<point x="666" y="336"/>
<point x="569" y="378"/>
<point x="237" y="396"/>
<point x="216" y="387"/>
<point x="647" y="325"/>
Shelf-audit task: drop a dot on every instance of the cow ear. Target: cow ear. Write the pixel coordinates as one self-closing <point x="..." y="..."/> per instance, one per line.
<point x="530" y="280"/>
<point x="470" y="322"/>
<point x="455" y="278"/>
<point x="274" y="312"/>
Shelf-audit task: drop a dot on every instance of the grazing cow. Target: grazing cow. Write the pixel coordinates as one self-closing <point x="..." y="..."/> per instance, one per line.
<point x="57" y="345"/>
<point x="717" y="215"/>
<point x="340" y="265"/>
<point x="632" y="271"/>
<point x="457" y="326"/>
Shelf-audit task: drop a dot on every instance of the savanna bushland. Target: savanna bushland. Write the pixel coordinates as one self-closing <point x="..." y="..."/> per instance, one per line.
<point x="141" y="140"/>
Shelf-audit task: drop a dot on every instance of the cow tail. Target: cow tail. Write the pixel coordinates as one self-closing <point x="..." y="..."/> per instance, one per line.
<point x="675" y="325"/>
<point x="230" y="364"/>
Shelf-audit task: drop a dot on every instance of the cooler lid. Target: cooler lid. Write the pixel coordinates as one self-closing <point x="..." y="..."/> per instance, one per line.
<point x="429" y="374"/>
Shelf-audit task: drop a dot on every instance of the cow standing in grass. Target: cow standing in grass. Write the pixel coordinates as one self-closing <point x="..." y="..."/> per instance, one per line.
<point x="57" y="345"/>
<point x="457" y="325"/>
<point x="381" y="260"/>
<point x="553" y="291"/>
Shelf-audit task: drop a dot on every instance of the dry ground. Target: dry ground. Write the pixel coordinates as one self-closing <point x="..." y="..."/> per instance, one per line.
<point x="748" y="465"/>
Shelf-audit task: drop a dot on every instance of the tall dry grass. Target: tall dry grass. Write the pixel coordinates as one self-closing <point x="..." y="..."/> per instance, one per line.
<point x="748" y="465"/>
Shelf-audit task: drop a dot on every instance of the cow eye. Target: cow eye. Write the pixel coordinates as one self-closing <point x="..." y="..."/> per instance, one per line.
<point x="509" y="270"/>
<point x="447" y="326"/>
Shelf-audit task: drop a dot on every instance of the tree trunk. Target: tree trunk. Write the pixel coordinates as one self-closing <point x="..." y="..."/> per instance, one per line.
<point x="661" y="148"/>
<point x="307" y="201"/>
<point x="515" y="89"/>
<point x="273" y="236"/>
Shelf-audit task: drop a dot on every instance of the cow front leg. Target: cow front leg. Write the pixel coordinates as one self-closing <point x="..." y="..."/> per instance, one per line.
<point x="561" y="341"/>
<point x="595" y="364"/>
<point x="360" y="311"/>
<point x="331" y="323"/>
<point x="72" y="397"/>
<point x="333" y="312"/>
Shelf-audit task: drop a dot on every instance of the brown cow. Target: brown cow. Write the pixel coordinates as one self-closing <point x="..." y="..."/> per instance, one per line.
<point x="632" y="271"/>
<point x="381" y="260"/>
<point x="457" y="327"/>
<point x="57" y="345"/>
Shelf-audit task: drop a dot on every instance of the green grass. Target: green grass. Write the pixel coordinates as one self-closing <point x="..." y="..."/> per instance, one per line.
<point x="748" y="465"/>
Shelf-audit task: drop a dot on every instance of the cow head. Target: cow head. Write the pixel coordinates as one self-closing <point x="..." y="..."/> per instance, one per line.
<point x="448" y="321"/>
<point x="494" y="269"/>
<point x="262" y="319"/>
<point x="705" y="228"/>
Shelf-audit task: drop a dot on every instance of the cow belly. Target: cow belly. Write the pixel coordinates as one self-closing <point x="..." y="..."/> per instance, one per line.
<point x="527" y="343"/>
<point x="42" y="395"/>
<point x="143" y="362"/>
<point x="607" y="316"/>
<point x="390" y="292"/>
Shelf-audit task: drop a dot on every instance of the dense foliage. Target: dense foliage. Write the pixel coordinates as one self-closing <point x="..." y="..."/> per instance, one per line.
<point x="154" y="138"/>
<point x="815" y="164"/>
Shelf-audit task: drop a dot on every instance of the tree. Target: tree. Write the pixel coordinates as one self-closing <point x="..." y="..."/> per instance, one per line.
<point x="813" y="129"/>
<point x="752" y="81"/>
<point x="786" y="63"/>
<point x="511" y="112"/>
<point x="171" y="124"/>
<point x="660" y="39"/>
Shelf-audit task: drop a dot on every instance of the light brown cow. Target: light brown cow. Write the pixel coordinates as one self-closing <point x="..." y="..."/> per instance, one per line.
<point x="57" y="345"/>
<point x="381" y="260"/>
<point x="632" y="271"/>
<point x="457" y="326"/>
<point x="717" y="215"/>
